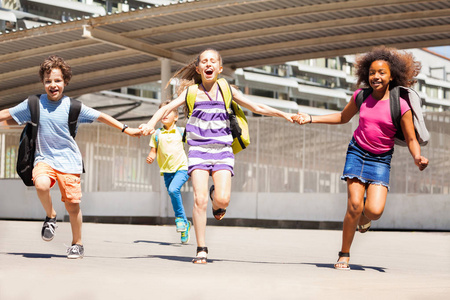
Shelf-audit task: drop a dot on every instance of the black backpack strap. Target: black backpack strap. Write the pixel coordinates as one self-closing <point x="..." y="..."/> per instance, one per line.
<point x="396" y="114"/>
<point x="74" y="112"/>
<point x="361" y="96"/>
<point x="33" y="106"/>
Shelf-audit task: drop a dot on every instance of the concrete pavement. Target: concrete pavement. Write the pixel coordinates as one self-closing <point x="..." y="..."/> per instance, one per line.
<point x="148" y="262"/>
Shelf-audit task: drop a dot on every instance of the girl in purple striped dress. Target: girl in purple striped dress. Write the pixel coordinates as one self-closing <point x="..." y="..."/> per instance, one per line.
<point x="209" y="138"/>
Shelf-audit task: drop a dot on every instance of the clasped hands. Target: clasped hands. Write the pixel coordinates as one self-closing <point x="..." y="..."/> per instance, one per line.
<point x="301" y="118"/>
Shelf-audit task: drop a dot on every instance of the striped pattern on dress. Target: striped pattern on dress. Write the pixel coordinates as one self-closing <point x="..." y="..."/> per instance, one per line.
<point x="209" y="137"/>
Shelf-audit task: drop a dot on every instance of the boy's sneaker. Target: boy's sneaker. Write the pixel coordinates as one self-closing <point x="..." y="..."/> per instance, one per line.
<point x="75" y="251"/>
<point x="185" y="234"/>
<point x="48" y="229"/>
<point x="181" y="224"/>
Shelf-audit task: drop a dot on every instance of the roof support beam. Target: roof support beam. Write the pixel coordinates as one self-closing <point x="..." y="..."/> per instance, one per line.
<point x="112" y="85"/>
<point x="121" y="41"/>
<point x="337" y="39"/>
<point x="297" y="28"/>
<point x="44" y="49"/>
<point x="37" y="87"/>
<point x="336" y="52"/>
<point x="265" y="15"/>
<point x="73" y="62"/>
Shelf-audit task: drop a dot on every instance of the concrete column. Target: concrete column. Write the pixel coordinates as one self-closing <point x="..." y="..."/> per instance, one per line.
<point x="165" y="78"/>
<point x="165" y="95"/>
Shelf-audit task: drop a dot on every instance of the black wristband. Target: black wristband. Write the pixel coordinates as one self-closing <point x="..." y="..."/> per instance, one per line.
<point x="310" y="119"/>
<point x="125" y="126"/>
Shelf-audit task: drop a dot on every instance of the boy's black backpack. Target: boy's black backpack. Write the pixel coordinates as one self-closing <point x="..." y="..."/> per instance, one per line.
<point x="414" y="102"/>
<point x="27" y="145"/>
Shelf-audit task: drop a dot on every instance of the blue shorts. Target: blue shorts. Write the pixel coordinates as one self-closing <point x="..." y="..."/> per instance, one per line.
<point x="367" y="167"/>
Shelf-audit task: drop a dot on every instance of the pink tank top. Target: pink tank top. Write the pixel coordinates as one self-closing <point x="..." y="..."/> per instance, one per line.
<point x="375" y="132"/>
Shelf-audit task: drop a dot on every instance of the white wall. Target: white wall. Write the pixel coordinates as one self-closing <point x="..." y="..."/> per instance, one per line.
<point x="403" y="211"/>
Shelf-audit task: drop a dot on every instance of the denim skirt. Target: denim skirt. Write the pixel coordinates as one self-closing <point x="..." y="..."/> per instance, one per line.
<point x="367" y="167"/>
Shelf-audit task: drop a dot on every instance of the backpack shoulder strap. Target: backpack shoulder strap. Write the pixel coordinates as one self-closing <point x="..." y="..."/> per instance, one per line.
<point x="33" y="106"/>
<point x="225" y="89"/>
<point x="74" y="112"/>
<point x="191" y="94"/>
<point x="361" y="96"/>
<point x="157" y="132"/>
<point x="180" y="130"/>
<point x="394" y="103"/>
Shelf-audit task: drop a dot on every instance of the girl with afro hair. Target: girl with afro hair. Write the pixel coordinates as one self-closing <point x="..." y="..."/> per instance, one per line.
<point x="369" y="154"/>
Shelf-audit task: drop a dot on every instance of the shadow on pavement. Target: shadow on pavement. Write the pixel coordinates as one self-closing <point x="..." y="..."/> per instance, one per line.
<point x="352" y="267"/>
<point x="157" y="243"/>
<point x="37" y="255"/>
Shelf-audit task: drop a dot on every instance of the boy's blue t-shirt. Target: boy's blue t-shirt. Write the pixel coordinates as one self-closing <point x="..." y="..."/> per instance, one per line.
<point x="55" y="146"/>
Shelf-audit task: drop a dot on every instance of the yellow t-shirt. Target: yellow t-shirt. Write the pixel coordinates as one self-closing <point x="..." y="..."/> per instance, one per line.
<point x="170" y="150"/>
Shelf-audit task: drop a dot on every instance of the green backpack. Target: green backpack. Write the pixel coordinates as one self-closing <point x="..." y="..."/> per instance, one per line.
<point x="238" y="121"/>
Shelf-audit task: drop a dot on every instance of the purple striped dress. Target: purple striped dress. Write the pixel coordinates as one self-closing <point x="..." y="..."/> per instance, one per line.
<point x="209" y="137"/>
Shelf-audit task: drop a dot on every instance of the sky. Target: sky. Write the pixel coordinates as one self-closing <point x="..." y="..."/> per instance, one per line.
<point x="444" y="50"/>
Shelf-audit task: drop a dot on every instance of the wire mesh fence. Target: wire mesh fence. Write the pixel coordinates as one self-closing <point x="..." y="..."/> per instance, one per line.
<point x="282" y="157"/>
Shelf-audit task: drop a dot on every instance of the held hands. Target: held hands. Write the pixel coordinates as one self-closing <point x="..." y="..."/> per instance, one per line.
<point x="421" y="162"/>
<point x="289" y="117"/>
<point x="146" y="129"/>
<point x="301" y="118"/>
<point x="136" y="132"/>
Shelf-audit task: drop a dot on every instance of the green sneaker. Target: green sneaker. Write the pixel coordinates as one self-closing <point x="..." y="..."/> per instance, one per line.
<point x="185" y="234"/>
<point x="180" y="223"/>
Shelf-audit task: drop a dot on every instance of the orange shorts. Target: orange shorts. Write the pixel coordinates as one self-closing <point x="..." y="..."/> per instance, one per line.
<point x="69" y="184"/>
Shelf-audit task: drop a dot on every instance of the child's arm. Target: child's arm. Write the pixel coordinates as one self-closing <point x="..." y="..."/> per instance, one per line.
<point x="149" y="128"/>
<point x="410" y="137"/>
<point x="108" y="120"/>
<point x="258" y="108"/>
<point x="337" y="118"/>
<point x="151" y="155"/>
<point x="5" y="115"/>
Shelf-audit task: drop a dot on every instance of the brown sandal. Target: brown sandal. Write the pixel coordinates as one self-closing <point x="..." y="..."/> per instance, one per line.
<point x="217" y="213"/>
<point x="201" y="259"/>
<point x="364" y="228"/>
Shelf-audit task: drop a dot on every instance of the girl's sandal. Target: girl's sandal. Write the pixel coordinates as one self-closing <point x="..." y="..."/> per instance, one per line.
<point x="217" y="213"/>
<point x="342" y="265"/>
<point x="202" y="252"/>
<point x="364" y="228"/>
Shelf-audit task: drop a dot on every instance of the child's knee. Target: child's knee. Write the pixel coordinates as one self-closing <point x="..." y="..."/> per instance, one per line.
<point x="42" y="184"/>
<point x="173" y="191"/>
<point x="200" y="202"/>
<point x="72" y="208"/>
<point x="354" y="209"/>
<point x="221" y="200"/>
<point x="373" y="214"/>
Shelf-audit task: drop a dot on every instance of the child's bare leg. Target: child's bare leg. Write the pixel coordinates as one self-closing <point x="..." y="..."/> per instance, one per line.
<point x="200" y="184"/>
<point x="76" y="221"/>
<point x="375" y="203"/>
<point x="355" y="204"/>
<point x="222" y="189"/>
<point x="42" y="185"/>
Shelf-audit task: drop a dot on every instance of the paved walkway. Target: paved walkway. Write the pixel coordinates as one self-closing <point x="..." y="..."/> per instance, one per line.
<point x="148" y="262"/>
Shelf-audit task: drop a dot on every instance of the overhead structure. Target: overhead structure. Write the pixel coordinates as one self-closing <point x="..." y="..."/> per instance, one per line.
<point x="113" y="51"/>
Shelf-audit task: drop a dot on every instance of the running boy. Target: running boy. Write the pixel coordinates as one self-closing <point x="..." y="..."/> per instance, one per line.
<point x="57" y="156"/>
<point x="167" y="145"/>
